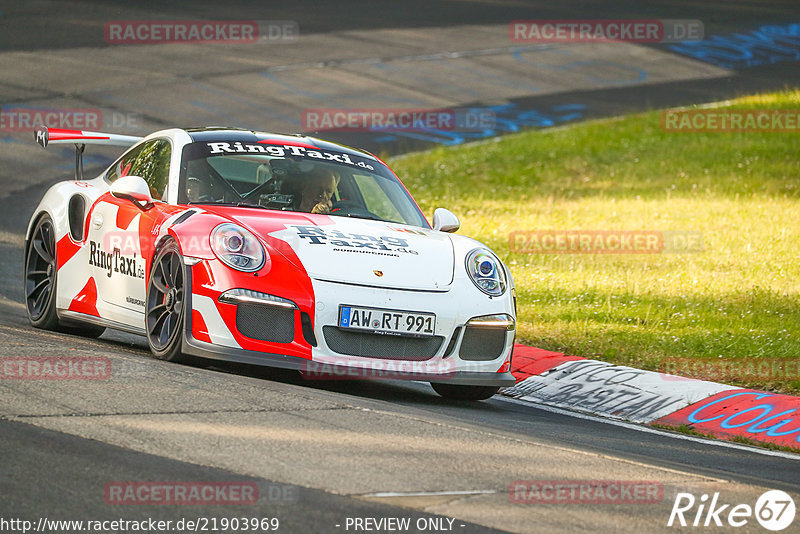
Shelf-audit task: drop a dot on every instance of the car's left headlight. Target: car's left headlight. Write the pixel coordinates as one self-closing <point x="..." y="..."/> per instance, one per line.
<point x="237" y="248"/>
<point x="486" y="272"/>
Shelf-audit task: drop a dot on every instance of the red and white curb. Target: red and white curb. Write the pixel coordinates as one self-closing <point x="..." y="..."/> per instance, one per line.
<point x="629" y="394"/>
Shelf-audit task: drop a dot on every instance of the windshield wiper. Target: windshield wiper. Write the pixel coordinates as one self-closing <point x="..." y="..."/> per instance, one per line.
<point x="236" y="204"/>
<point x="362" y="216"/>
<point x="249" y="205"/>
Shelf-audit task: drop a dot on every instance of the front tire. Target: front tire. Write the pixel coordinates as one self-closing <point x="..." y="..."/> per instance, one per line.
<point x="165" y="310"/>
<point x="466" y="393"/>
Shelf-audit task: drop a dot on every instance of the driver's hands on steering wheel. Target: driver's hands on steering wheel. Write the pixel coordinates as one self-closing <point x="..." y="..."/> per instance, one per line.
<point x="319" y="186"/>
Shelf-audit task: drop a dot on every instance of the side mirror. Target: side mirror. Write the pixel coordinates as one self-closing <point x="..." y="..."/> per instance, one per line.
<point x="445" y="220"/>
<point x="135" y="189"/>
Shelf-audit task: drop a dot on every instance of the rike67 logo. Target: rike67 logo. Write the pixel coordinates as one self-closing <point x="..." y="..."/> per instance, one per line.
<point x="774" y="510"/>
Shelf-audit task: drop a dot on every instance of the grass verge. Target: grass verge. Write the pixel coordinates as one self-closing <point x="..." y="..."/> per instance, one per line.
<point x="735" y="301"/>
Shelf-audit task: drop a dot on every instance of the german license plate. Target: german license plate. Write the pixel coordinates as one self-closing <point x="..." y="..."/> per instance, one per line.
<point x="382" y="321"/>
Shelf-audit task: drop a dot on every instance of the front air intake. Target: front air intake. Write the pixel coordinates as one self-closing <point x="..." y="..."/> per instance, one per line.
<point x="482" y="344"/>
<point x="381" y="346"/>
<point x="265" y="323"/>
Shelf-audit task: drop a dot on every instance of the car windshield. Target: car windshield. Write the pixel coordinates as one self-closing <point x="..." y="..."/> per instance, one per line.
<point x="294" y="178"/>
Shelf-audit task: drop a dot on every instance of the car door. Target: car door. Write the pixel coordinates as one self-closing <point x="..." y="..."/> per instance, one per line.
<point x="121" y="232"/>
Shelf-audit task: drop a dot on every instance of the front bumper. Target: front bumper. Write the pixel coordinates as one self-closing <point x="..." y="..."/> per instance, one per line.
<point x="328" y="357"/>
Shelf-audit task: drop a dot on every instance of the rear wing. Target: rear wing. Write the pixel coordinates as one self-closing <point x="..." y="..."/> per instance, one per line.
<point x="46" y="136"/>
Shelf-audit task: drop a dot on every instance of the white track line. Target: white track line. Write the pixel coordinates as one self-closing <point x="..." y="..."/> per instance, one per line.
<point x="649" y="430"/>
<point x="427" y="493"/>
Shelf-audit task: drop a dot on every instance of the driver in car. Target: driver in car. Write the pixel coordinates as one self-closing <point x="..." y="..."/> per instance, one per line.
<point x="197" y="190"/>
<point x="317" y="188"/>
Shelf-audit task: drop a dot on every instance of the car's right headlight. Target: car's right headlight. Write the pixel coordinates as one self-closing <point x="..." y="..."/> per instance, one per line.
<point x="486" y="272"/>
<point x="237" y="248"/>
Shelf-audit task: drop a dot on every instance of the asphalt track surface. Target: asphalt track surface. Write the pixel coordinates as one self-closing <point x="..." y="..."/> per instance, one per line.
<point x="344" y="449"/>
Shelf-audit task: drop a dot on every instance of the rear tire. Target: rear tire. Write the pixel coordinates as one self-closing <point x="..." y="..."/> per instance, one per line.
<point x="40" y="283"/>
<point x="40" y="275"/>
<point x="165" y="305"/>
<point x="466" y="393"/>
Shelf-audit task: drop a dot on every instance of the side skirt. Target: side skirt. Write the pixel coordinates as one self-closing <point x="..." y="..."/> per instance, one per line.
<point x="81" y="318"/>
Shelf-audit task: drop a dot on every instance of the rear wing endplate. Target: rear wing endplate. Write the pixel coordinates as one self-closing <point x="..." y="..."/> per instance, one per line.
<point x="47" y="136"/>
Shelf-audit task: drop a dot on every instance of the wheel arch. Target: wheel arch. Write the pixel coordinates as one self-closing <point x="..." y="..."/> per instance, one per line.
<point x="161" y="241"/>
<point x="55" y="203"/>
<point x="35" y="218"/>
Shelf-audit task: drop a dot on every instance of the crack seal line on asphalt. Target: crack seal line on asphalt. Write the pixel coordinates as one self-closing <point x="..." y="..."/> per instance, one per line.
<point x="131" y="414"/>
<point x="649" y="430"/>
<point x="430" y="56"/>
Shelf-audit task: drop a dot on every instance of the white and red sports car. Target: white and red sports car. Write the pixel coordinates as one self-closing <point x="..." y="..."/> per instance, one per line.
<point x="268" y="249"/>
